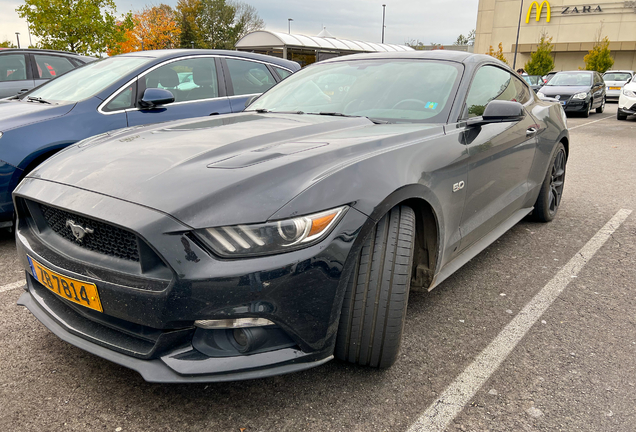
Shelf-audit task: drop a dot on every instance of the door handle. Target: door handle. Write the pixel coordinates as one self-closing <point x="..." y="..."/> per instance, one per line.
<point x="214" y="113"/>
<point x="530" y="132"/>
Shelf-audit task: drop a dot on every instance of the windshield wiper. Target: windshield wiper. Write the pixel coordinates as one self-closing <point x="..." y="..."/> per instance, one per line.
<point x="37" y="99"/>
<point x="263" y="111"/>
<point x="338" y="114"/>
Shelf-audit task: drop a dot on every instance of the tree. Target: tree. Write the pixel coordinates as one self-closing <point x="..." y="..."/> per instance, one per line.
<point x="80" y="26"/>
<point x="7" y="44"/>
<point x="189" y="14"/>
<point x="497" y="54"/>
<point x="471" y="37"/>
<point x="599" y="59"/>
<point x="461" y="40"/>
<point x="247" y="19"/>
<point x="541" y="61"/>
<point x="154" y="27"/>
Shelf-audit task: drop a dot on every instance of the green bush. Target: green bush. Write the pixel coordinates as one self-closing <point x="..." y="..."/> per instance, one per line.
<point x="599" y="59"/>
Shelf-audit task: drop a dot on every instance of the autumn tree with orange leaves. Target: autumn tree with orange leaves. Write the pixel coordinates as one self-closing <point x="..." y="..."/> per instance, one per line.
<point x="153" y="28"/>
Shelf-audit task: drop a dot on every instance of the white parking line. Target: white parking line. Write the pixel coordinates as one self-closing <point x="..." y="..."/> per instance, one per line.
<point x="13" y="285"/>
<point x="451" y="402"/>
<point x="588" y="123"/>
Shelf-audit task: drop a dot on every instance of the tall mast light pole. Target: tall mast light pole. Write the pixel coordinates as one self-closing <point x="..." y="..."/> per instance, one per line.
<point x="514" y="60"/>
<point x="17" y="35"/>
<point x="383" y="16"/>
<point x="289" y="20"/>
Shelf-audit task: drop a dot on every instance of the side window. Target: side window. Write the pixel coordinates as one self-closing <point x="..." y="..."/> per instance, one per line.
<point x="490" y="83"/>
<point x="282" y="73"/>
<point x="249" y="77"/>
<point x="523" y="94"/>
<point x="12" y="67"/>
<point x="188" y="80"/>
<point x="51" y="66"/>
<point x="124" y="100"/>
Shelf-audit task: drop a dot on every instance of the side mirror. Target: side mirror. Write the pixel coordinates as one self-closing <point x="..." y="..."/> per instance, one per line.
<point x="499" y="112"/>
<point x="251" y="100"/>
<point x="155" y="96"/>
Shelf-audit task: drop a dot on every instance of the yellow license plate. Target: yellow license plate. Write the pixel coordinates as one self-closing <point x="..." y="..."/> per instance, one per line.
<point x="82" y="293"/>
<point x="614" y="88"/>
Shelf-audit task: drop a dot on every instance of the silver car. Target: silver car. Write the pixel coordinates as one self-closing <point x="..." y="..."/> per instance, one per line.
<point x="615" y="80"/>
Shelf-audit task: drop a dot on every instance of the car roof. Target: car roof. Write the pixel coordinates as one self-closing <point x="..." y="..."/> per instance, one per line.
<point x="619" y="71"/>
<point x="38" y="50"/>
<point x="577" y="71"/>
<point x="173" y="53"/>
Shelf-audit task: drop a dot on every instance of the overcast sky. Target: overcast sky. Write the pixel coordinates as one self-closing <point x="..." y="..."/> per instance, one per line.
<point x="428" y="21"/>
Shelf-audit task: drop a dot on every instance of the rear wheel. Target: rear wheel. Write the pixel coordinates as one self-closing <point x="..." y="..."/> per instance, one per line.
<point x="547" y="205"/>
<point x="601" y="108"/>
<point x="374" y="307"/>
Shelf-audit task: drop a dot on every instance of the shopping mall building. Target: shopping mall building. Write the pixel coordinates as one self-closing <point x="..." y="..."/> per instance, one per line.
<point x="572" y="24"/>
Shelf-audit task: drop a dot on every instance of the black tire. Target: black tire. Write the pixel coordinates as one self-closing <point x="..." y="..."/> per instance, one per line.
<point x="374" y="307"/>
<point x="547" y="205"/>
<point x="620" y="116"/>
<point x="586" y="114"/>
<point x="601" y="108"/>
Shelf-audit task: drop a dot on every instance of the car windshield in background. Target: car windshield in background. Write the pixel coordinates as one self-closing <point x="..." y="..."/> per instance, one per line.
<point x="86" y="81"/>
<point x="533" y="79"/>
<point x="571" y="79"/>
<point x="394" y="91"/>
<point x="616" y="77"/>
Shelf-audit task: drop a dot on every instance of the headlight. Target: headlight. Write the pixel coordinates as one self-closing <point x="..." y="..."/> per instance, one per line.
<point x="580" y="95"/>
<point x="271" y="237"/>
<point x="541" y="95"/>
<point x="625" y="92"/>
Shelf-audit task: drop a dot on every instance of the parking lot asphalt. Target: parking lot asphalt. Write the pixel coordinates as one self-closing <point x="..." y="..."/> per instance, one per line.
<point x="574" y="369"/>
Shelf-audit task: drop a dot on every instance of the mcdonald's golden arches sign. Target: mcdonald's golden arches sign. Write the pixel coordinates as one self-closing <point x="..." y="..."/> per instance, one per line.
<point x="538" y="7"/>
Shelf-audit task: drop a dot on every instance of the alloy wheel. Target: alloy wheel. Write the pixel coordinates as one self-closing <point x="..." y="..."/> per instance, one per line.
<point x="557" y="178"/>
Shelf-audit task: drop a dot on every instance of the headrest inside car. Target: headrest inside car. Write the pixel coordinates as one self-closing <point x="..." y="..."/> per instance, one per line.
<point x="202" y="76"/>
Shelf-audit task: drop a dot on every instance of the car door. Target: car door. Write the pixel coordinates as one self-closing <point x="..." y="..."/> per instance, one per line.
<point x="196" y="84"/>
<point x="500" y="154"/>
<point x="46" y="67"/>
<point x="15" y="74"/>
<point x="246" y="78"/>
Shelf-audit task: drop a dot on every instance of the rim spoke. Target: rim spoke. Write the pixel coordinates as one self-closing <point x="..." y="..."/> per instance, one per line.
<point x="551" y="200"/>
<point x="558" y="183"/>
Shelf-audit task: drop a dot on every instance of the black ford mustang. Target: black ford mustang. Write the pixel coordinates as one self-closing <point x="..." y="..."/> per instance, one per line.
<point x="266" y="242"/>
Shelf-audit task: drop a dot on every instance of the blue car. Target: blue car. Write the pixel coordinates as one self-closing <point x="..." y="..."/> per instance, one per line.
<point x="123" y="91"/>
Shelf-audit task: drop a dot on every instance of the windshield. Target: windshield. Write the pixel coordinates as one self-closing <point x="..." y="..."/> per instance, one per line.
<point x="390" y="90"/>
<point x="533" y="79"/>
<point x="571" y="79"/>
<point x="86" y="81"/>
<point x="616" y="76"/>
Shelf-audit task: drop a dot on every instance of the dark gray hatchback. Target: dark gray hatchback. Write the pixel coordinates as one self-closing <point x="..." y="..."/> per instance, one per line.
<point x="272" y="240"/>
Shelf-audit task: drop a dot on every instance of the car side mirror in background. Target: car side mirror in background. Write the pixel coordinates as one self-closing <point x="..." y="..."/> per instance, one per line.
<point x="499" y="112"/>
<point x="154" y="97"/>
<point x="251" y="100"/>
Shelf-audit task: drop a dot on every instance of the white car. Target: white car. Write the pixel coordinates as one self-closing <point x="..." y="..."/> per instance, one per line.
<point x="615" y="80"/>
<point x="627" y="101"/>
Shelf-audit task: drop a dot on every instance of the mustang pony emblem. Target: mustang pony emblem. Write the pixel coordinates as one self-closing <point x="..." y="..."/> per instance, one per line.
<point x="78" y="231"/>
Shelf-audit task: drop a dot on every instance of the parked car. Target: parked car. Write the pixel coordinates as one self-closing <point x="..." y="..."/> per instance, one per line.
<point x="267" y="242"/>
<point x="23" y="69"/>
<point x="615" y="80"/>
<point x="578" y="91"/>
<point x="627" y="101"/>
<point x="123" y="91"/>
<point x="534" y="81"/>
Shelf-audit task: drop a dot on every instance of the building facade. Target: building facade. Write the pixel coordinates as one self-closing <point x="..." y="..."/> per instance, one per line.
<point x="573" y="25"/>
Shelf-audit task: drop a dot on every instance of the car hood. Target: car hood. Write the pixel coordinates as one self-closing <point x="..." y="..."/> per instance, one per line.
<point x="226" y="170"/>
<point x="549" y="90"/>
<point x="14" y="113"/>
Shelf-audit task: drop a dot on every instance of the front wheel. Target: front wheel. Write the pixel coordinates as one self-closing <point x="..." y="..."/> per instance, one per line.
<point x="374" y="307"/>
<point x="547" y="205"/>
<point x="586" y="114"/>
<point x="601" y="108"/>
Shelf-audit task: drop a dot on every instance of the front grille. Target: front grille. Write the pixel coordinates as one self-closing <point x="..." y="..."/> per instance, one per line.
<point x="105" y="239"/>
<point x="565" y="97"/>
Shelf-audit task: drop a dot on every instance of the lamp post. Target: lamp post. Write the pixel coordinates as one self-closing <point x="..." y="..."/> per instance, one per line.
<point x="289" y="20"/>
<point x="514" y="60"/>
<point x="17" y="35"/>
<point x="383" y="16"/>
<point x="192" y="43"/>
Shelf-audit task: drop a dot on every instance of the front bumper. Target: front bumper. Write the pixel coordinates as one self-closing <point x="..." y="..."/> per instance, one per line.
<point x="627" y="105"/>
<point x="577" y="106"/>
<point x="148" y="317"/>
